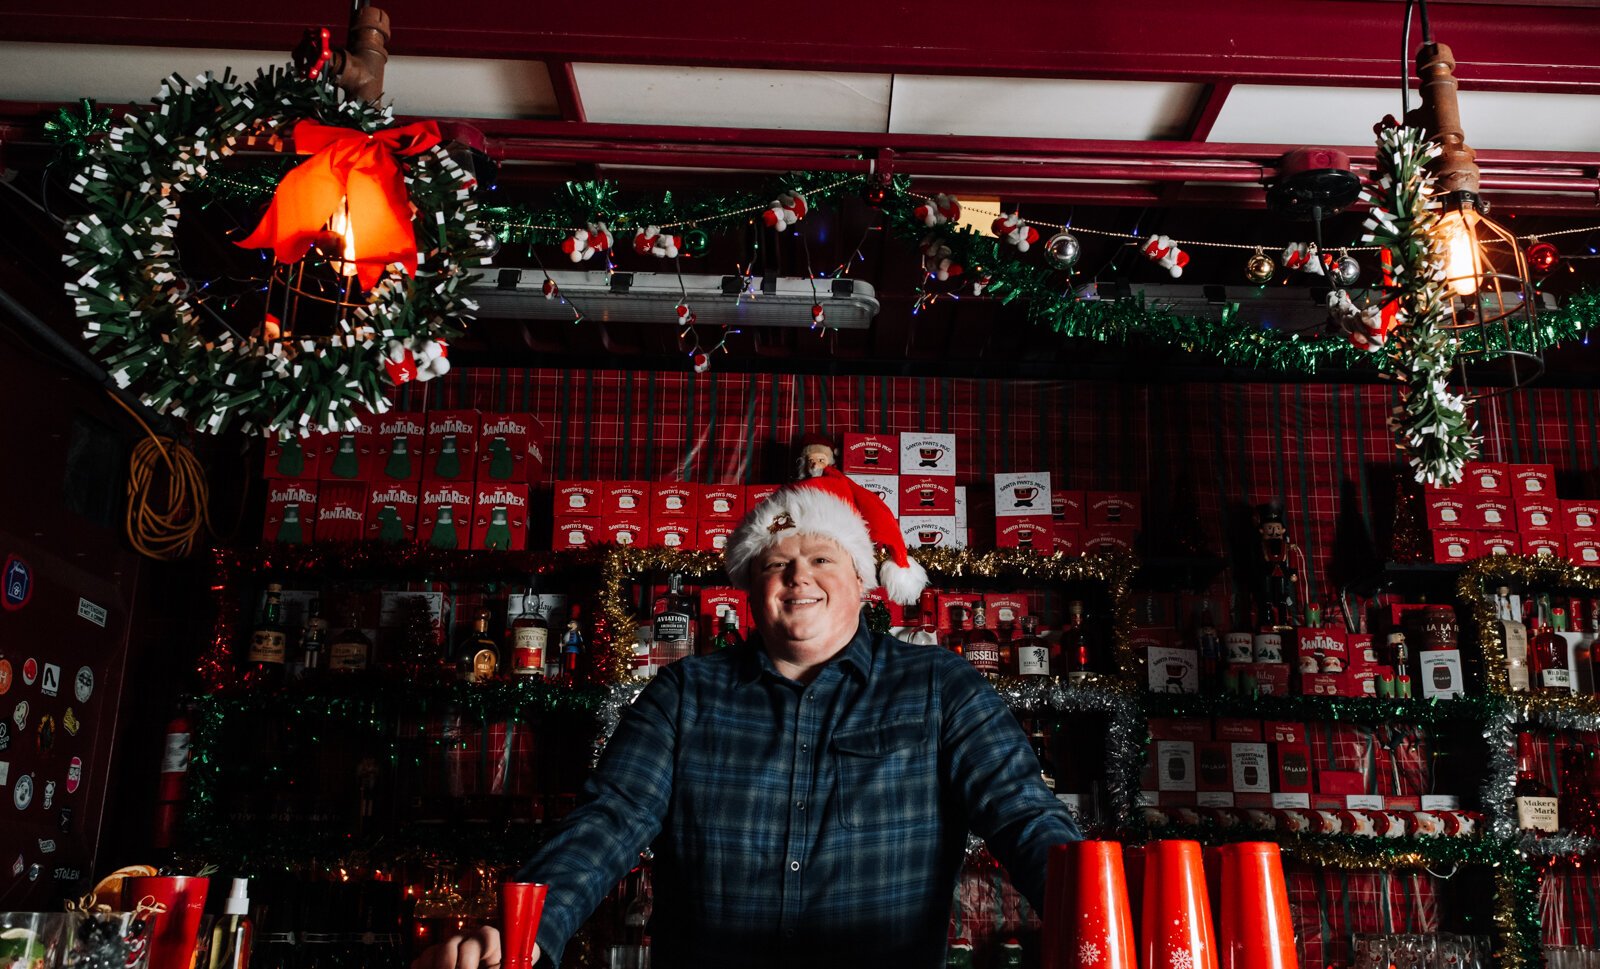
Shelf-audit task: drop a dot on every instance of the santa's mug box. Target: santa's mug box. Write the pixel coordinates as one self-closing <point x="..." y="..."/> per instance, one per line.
<point x="1032" y="532"/>
<point x="871" y="454"/>
<point x="572" y="532"/>
<point x="922" y="453"/>
<point x="885" y="486"/>
<point x="929" y="531"/>
<point x="925" y="494"/>
<point x="580" y="499"/>
<point x="1022" y="493"/>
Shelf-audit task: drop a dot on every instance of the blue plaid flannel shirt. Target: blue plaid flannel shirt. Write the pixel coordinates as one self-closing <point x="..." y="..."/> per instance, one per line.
<point x="816" y="825"/>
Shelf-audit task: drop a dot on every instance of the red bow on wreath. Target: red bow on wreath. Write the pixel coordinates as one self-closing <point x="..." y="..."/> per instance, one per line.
<point x="352" y="170"/>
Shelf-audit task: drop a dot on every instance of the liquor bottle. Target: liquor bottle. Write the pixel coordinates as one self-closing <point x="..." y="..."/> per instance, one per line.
<point x="1032" y="655"/>
<point x="478" y="655"/>
<point x="1006" y="632"/>
<point x="1537" y="809"/>
<point x="351" y="650"/>
<point x="1074" y="655"/>
<point x="345" y="462"/>
<point x="1516" y="639"/>
<point x="1547" y="655"/>
<point x="572" y="644"/>
<point x="1580" y="665"/>
<point x="673" y="622"/>
<point x="728" y="633"/>
<point x="398" y="467"/>
<point x="927" y="633"/>
<point x="313" y="642"/>
<point x="956" y="641"/>
<point x="264" y="661"/>
<point x="982" y="645"/>
<point x="449" y="463"/>
<point x="499" y="459"/>
<point x="530" y="637"/>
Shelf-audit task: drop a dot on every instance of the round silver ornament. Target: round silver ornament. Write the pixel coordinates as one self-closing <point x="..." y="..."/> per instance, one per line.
<point x="1062" y="250"/>
<point x="1346" y="271"/>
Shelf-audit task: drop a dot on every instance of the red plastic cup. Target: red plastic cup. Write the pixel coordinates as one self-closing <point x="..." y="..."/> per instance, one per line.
<point x="1255" y="931"/>
<point x="1087" y="923"/>
<point x="1176" y="928"/>
<point x="175" y="932"/>
<point x="521" y="906"/>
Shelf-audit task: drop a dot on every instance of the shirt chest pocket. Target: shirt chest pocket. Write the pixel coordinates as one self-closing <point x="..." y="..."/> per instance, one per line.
<point x="887" y="775"/>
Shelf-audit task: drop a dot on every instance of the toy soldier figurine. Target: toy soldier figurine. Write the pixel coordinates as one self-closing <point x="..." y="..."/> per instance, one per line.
<point x="1279" y="583"/>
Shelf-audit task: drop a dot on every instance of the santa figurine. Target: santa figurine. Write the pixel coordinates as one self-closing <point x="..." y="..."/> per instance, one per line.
<point x="816" y="453"/>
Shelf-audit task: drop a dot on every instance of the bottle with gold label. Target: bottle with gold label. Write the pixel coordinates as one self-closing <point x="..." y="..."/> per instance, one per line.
<point x="264" y="661"/>
<point x="351" y="650"/>
<point x="478" y="656"/>
<point x="530" y="637"/>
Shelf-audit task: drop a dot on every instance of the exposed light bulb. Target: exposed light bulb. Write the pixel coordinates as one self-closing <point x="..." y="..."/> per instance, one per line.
<point x="340" y="226"/>
<point x="1462" y="262"/>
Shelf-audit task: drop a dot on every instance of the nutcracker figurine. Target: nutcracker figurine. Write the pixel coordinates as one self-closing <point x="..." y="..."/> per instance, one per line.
<point x="1278" y="586"/>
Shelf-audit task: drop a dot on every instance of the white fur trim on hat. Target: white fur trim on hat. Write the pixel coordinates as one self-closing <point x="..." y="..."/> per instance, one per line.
<point x="813" y="512"/>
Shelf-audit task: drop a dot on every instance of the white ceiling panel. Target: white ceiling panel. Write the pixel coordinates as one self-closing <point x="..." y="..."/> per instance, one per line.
<point x="437" y="86"/>
<point x="636" y="94"/>
<point x="1290" y="115"/>
<point x="1041" y="107"/>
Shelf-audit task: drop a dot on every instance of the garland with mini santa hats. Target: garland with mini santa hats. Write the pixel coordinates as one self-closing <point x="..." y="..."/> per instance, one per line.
<point x="149" y="322"/>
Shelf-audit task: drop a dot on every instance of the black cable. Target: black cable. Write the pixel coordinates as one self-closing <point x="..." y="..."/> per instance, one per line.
<point x="1427" y="29"/>
<point x="1405" y="64"/>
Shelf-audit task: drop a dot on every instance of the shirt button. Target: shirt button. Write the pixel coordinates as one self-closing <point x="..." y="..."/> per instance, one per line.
<point x="794" y="866"/>
<point x="800" y="804"/>
<point x="788" y="933"/>
<point x="805" y="747"/>
<point x="810" y="696"/>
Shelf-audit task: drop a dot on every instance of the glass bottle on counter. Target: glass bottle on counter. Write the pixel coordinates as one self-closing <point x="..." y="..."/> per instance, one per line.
<point x="1515" y="635"/>
<point x="927" y="632"/>
<point x="351" y="650"/>
<point x="1075" y="662"/>
<point x="1547" y="654"/>
<point x="1032" y="654"/>
<point x="673" y="622"/>
<point x="728" y="636"/>
<point x="477" y="656"/>
<point x="956" y="641"/>
<point x="1537" y="809"/>
<point x="1580" y="662"/>
<point x="530" y="637"/>
<point x="268" y="641"/>
<point x="982" y="645"/>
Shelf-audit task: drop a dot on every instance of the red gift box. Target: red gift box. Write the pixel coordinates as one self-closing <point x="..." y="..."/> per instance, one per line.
<point x="1584" y="549"/>
<point x="929" y="531"/>
<point x="1543" y="543"/>
<point x="1341" y="783"/>
<point x="1487" y="478"/>
<point x="625" y="497"/>
<point x="1235" y="728"/>
<point x="1066" y="540"/>
<point x="1292" y="768"/>
<point x="1066" y="507"/>
<point x="1580" y="516"/>
<point x="1447" y="509"/>
<point x="1025" y="531"/>
<point x="572" y="532"/>
<point x="674" y="499"/>
<point x="452" y="453"/>
<point x="1105" y="538"/>
<point x="349" y="455"/>
<point x="1272" y="679"/>
<point x="926" y="495"/>
<point x="625" y="529"/>
<point x="581" y="499"/>
<point x="401" y="443"/>
<point x="721" y="502"/>
<point x="1112" y="508"/>
<point x="444" y="519"/>
<point x="1491" y="513"/>
<point x="1179" y="728"/>
<point x="1213" y="765"/>
<point x="1498" y="543"/>
<point x="885" y="486"/>
<point x="291" y="512"/>
<point x="512" y="447"/>
<point x="341" y="511"/>
<point x="1005" y="609"/>
<point x="1284" y="732"/>
<point x="948" y="599"/>
<point x="1532" y="480"/>
<point x="756" y="494"/>
<point x="871" y="454"/>
<point x="295" y="459"/>
<point x="713" y="536"/>
<point x="392" y="511"/>
<point x="674" y="533"/>
<point x="500" y="516"/>
<point x="1538" y="514"/>
<point x="1454" y="545"/>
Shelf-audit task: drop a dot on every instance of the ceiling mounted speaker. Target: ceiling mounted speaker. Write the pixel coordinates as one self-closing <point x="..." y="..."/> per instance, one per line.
<point x="1313" y="183"/>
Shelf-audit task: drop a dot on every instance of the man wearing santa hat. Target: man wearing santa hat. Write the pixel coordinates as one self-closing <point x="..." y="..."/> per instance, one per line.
<point x="809" y="794"/>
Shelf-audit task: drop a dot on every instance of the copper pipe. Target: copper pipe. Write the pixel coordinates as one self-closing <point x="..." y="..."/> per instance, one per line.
<point x="1456" y="167"/>
<point x="359" y="66"/>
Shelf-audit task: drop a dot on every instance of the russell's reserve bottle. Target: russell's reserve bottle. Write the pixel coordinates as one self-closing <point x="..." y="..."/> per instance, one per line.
<point x="982" y="645"/>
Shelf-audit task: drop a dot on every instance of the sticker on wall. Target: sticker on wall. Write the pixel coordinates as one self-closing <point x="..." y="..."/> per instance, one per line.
<point x="67" y="874"/>
<point x="46" y="735"/>
<point x="18" y="867"/>
<point x="66" y="820"/>
<point x="82" y="684"/>
<point x="5" y="735"/>
<point x="51" y="684"/>
<point x="93" y="613"/>
<point x="17" y="577"/>
<point x="34" y="871"/>
<point x="69" y="723"/>
<point x="5" y="772"/>
<point x="30" y="671"/>
<point x="5" y="676"/>
<point x="74" y="774"/>
<point x="49" y="795"/>
<point x="22" y="794"/>
<point x="19" y="716"/>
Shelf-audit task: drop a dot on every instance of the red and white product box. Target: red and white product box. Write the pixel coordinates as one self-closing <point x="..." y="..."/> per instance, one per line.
<point x="1066" y="507"/>
<point x="1235" y="728"/>
<point x="947" y="600"/>
<point x="1532" y="480"/>
<point x="1498" y="543"/>
<point x="1179" y="728"/>
<point x="871" y="454"/>
<point x="1543" y="543"/>
<point x="581" y="499"/>
<point x="1292" y="767"/>
<point x="341" y="511"/>
<point x="716" y="600"/>
<point x="296" y="459"/>
<point x="721" y="502"/>
<point x="933" y="454"/>
<point x="1144" y="638"/>
<point x="679" y="533"/>
<point x="291" y="512"/>
<point x="1584" y="549"/>
<point x="512" y="447"/>
<point x="349" y="455"/>
<point x="1491" y="513"/>
<point x="674" y="499"/>
<point x="1104" y="538"/>
<point x="401" y="440"/>
<point x="445" y="517"/>
<point x="713" y="536"/>
<point x="885" y="486"/>
<point x="571" y="532"/>
<point x="1112" y="508"/>
<point x="756" y="494"/>
<point x="1580" y="516"/>
<point x="625" y="529"/>
<point x="1022" y="493"/>
<point x="1067" y="541"/>
<point x="928" y="531"/>
<point x="392" y="511"/>
<point x="1361" y="649"/>
<point x="1538" y="514"/>
<point x="1272" y="679"/>
<point x="1454" y="545"/>
<point x="1321" y="650"/>
<point x="926" y="495"/>
<point x="1447" y="509"/>
<point x="452" y="445"/>
<point x="500" y="515"/>
<point x="1321" y="684"/>
<point x="1031" y="532"/>
<point x="625" y="497"/>
<point x="1487" y="479"/>
<point x="1174" y="765"/>
<point x="1005" y="609"/>
<point x="1250" y="771"/>
<point x="1284" y="732"/>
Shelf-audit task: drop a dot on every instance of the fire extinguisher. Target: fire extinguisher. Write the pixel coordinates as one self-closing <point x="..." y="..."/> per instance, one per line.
<point x="174" y="775"/>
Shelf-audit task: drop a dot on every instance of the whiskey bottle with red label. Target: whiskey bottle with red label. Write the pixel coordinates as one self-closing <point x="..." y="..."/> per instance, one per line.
<point x="1537" y="808"/>
<point x="1547" y="655"/>
<point x="1074" y="656"/>
<point x="982" y="645"/>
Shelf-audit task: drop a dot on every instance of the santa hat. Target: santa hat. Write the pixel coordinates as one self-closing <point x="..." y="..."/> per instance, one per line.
<point x="834" y="507"/>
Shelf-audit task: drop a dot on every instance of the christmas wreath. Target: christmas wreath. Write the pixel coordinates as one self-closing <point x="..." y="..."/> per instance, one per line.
<point x="156" y="330"/>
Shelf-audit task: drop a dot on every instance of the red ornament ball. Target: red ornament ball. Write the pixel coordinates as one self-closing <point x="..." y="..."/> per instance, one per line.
<point x="550" y="288"/>
<point x="1542" y="257"/>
